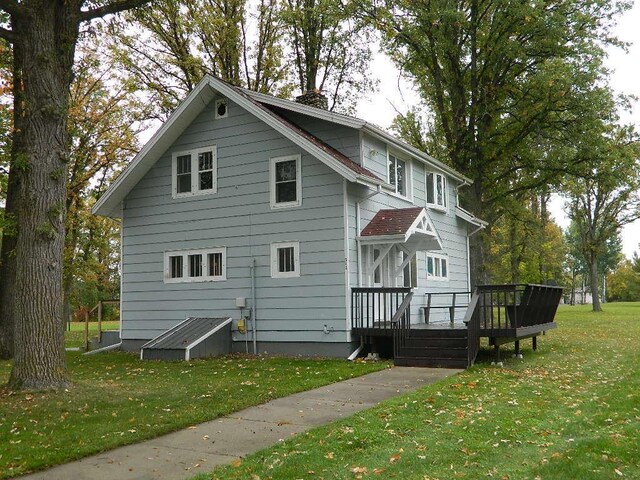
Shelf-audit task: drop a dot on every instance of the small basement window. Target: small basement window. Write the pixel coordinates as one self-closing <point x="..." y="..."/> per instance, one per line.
<point x="286" y="182"/>
<point x="436" y="190"/>
<point x="285" y="259"/>
<point x="194" y="172"/>
<point x="206" y="265"/>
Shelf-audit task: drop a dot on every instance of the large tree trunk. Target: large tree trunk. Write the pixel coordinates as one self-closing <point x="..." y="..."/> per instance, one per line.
<point x="593" y="281"/>
<point x="47" y="34"/>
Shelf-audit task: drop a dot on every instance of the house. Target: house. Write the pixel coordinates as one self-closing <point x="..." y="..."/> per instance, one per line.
<point x="273" y="213"/>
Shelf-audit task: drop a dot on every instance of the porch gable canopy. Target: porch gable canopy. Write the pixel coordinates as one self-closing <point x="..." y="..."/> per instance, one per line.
<point x="410" y="227"/>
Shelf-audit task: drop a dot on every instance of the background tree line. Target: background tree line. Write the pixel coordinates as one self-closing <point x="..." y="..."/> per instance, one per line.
<point x="513" y="94"/>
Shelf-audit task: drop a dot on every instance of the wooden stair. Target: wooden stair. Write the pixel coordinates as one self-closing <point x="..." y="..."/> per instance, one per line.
<point x="445" y="348"/>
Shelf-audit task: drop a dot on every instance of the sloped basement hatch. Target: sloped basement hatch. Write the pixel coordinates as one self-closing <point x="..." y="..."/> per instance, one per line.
<point x="195" y="337"/>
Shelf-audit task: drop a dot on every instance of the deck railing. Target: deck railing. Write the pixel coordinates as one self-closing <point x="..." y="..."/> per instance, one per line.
<point x="515" y="306"/>
<point x="450" y="302"/>
<point x="375" y="307"/>
<point x="401" y="322"/>
<point x="472" y="320"/>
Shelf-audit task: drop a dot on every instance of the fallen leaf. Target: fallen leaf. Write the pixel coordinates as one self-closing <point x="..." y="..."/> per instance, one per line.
<point x="394" y="458"/>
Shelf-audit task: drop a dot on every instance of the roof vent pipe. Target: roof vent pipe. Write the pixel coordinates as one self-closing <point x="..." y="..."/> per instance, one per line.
<point x="314" y="98"/>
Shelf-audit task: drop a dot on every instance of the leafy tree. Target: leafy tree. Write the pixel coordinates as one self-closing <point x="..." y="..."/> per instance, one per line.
<point x="511" y="86"/>
<point x="601" y="203"/>
<point x="173" y="43"/>
<point x="103" y="124"/>
<point x="526" y="245"/>
<point x="624" y="283"/>
<point x="330" y="50"/>
<point x="43" y="34"/>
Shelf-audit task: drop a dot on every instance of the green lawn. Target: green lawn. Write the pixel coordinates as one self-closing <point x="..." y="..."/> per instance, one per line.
<point x="569" y="411"/>
<point x="118" y="399"/>
<point x="75" y="337"/>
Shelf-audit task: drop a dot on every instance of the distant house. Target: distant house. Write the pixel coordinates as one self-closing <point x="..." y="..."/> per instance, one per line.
<point x="246" y="200"/>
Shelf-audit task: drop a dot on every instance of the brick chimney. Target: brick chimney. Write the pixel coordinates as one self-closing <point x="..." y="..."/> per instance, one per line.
<point x="313" y="98"/>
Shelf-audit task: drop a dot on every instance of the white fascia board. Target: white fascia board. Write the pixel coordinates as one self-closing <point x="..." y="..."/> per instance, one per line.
<point x="307" y="110"/>
<point x="413" y="152"/>
<point x="469" y="217"/>
<point x="381" y="239"/>
<point x="109" y="203"/>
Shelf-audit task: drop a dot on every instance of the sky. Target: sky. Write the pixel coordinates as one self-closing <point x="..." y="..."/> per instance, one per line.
<point x="396" y="95"/>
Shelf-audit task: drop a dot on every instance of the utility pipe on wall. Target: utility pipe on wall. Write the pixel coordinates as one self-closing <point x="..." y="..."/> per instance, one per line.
<point x="253" y="305"/>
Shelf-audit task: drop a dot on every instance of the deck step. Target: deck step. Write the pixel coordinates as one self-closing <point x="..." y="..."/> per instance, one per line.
<point x="422" y="352"/>
<point x="439" y="332"/>
<point x="436" y="342"/>
<point x="430" y="362"/>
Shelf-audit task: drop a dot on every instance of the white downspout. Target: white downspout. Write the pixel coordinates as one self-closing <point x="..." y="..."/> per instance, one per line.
<point x="254" y="312"/>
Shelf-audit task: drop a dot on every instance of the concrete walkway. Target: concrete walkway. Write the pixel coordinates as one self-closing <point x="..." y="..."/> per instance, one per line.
<point x="197" y="449"/>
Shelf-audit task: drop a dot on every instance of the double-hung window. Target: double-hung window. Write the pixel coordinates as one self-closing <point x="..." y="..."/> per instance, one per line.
<point x="286" y="182"/>
<point x="206" y="265"/>
<point x="437" y="267"/>
<point x="194" y="172"/>
<point x="436" y="190"/>
<point x="399" y="175"/>
<point x="285" y="259"/>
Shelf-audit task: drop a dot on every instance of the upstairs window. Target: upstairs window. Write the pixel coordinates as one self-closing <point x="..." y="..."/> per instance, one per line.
<point x="286" y="182"/>
<point x="437" y="267"/>
<point x="436" y="190"/>
<point x="398" y="175"/>
<point x="195" y="265"/>
<point x="285" y="259"/>
<point x="194" y="172"/>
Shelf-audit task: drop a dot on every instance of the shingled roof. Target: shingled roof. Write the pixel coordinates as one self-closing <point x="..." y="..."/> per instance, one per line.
<point x="394" y="221"/>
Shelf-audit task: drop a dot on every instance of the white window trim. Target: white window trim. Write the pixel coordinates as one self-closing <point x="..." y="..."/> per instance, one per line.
<point x="195" y="177"/>
<point x="274" y="259"/>
<point x="185" y="265"/>
<point x="409" y="180"/>
<point x="272" y="181"/>
<point x="436" y="206"/>
<point x="439" y="257"/>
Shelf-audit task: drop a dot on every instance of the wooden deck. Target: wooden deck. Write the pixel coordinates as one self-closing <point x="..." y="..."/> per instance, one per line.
<point x="501" y="313"/>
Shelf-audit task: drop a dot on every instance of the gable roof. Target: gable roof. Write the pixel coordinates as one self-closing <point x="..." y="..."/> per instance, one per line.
<point x="399" y="225"/>
<point x="393" y="221"/>
<point x="109" y="203"/>
<point x="358" y="124"/>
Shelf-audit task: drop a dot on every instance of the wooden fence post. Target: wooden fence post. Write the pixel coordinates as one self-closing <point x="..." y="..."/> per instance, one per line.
<point x="86" y="331"/>
<point x="99" y="321"/>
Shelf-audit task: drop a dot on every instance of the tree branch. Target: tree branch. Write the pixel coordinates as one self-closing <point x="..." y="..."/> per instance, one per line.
<point x="115" y="6"/>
